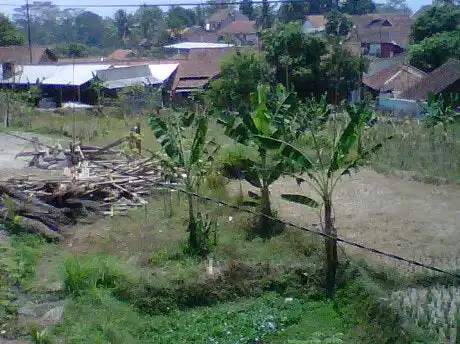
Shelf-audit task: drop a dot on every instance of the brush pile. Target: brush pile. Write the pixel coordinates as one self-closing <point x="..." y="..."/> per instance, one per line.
<point x="93" y="180"/>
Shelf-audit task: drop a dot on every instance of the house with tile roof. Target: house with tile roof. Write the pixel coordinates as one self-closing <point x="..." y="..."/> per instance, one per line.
<point x="381" y="34"/>
<point x="240" y="32"/>
<point x="21" y="55"/>
<point x="445" y="79"/>
<point x="201" y="67"/>
<point x="393" y="80"/>
<point x="222" y="18"/>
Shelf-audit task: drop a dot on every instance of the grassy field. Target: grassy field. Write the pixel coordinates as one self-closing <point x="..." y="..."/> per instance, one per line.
<point x="127" y="279"/>
<point x="425" y="152"/>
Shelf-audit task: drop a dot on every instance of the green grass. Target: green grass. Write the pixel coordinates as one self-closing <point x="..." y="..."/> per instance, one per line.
<point x="99" y="318"/>
<point x="136" y="285"/>
<point x="19" y="255"/>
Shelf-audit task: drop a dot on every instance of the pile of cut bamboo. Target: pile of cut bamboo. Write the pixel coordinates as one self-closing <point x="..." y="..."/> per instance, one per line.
<point x="95" y="180"/>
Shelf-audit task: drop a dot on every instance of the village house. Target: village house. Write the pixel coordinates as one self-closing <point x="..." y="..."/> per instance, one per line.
<point x="201" y="67"/>
<point x="222" y="18"/>
<point x="380" y="34"/>
<point x="240" y="32"/>
<point x="393" y="80"/>
<point x="443" y="80"/>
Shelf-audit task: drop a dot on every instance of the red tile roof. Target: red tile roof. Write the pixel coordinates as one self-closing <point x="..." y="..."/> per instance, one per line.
<point x="222" y="14"/>
<point x="381" y="28"/>
<point x="435" y="82"/>
<point x="239" y="26"/>
<point x="120" y="54"/>
<point x="396" y="78"/>
<point x="21" y="55"/>
<point x="200" y="68"/>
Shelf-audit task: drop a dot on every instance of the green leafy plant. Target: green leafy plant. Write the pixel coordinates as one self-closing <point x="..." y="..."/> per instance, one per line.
<point x="325" y="169"/>
<point x="440" y="111"/>
<point x="192" y="160"/>
<point x="40" y="337"/>
<point x="262" y="169"/>
<point x="320" y="338"/>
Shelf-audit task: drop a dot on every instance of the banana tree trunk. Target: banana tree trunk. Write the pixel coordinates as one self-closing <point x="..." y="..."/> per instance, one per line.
<point x="193" y="238"/>
<point x="331" y="247"/>
<point x="265" y="223"/>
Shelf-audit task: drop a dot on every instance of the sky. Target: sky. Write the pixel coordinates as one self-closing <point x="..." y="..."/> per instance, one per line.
<point x="11" y="4"/>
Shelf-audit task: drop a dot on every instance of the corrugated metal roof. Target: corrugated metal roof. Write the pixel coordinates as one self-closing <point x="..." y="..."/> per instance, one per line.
<point x="120" y="83"/>
<point x="136" y="75"/>
<point x="79" y="74"/>
<point x="163" y="71"/>
<point x="71" y="75"/>
<point x="197" y="45"/>
<point x="75" y="75"/>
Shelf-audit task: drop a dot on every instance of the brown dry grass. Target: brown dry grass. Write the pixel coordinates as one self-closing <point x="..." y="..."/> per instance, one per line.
<point x="408" y="218"/>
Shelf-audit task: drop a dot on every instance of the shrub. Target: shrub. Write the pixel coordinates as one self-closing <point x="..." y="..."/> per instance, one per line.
<point x="90" y="272"/>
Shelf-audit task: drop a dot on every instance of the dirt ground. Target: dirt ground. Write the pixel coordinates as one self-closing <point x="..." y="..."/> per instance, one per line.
<point x="408" y="218"/>
<point x="10" y="146"/>
<point x="395" y="214"/>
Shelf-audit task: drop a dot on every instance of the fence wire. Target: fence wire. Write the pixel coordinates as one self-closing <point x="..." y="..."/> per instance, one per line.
<point x="256" y="213"/>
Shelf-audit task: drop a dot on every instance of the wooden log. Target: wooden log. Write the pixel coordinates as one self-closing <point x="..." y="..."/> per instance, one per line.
<point x="34" y="226"/>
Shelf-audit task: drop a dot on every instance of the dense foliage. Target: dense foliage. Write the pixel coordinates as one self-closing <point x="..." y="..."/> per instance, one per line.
<point x="239" y="76"/>
<point x="435" y="20"/>
<point x="8" y="33"/>
<point x="435" y="36"/>
<point x="435" y="50"/>
<point x="295" y="56"/>
<point x="338" y="24"/>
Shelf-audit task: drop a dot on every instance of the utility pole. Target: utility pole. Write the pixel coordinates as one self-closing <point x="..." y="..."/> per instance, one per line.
<point x="28" y="31"/>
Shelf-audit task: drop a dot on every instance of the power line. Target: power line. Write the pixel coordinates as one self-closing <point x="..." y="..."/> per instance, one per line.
<point x="256" y="213"/>
<point x="168" y="4"/>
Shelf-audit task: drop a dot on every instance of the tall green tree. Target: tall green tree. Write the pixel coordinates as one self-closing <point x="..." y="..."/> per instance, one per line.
<point x="338" y="24"/>
<point x="122" y="24"/>
<point x="179" y="17"/>
<point x="342" y="72"/>
<point x="295" y="56"/>
<point x="435" y="20"/>
<point x="150" y="22"/>
<point x="292" y="11"/>
<point x="43" y="21"/>
<point x="358" y="6"/>
<point x="247" y="8"/>
<point x="325" y="167"/>
<point x="320" y="6"/>
<point x="394" y="6"/>
<point x="9" y="35"/>
<point x="240" y="74"/>
<point x="90" y="29"/>
<point x="435" y="50"/>
<point x="265" y="15"/>
<point x="200" y="15"/>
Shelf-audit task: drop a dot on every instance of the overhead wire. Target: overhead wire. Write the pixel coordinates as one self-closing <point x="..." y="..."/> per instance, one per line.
<point x="165" y="4"/>
<point x="256" y="213"/>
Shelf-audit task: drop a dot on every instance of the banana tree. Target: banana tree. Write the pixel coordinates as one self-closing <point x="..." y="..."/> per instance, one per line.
<point x="170" y="133"/>
<point x="269" y="119"/>
<point x="440" y="111"/>
<point x="325" y="169"/>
